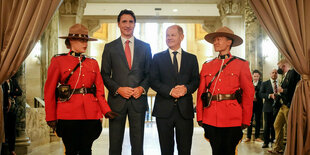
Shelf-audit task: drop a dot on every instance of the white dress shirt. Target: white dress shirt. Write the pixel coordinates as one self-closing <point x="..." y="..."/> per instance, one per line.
<point x="131" y="46"/>
<point x="179" y="55"/>
<point x="272" y="84"/>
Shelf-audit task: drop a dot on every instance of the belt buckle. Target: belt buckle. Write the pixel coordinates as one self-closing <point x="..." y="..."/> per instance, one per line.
<point x="83" y="90"/>
<point x="218" y="97"/>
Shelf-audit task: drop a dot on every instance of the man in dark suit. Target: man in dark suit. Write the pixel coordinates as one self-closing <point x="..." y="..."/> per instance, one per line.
<point x="268" y="91"/>
<point x="257" y="108"/>
<point x="125" y="72"/>
<point x="286" y="91"/>
<point x="175" y="77"/>
<point x="11" y="90"/>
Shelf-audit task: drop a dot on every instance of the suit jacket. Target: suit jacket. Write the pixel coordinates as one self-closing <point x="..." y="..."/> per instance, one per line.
<point x="259" y="99"/>
<point x="116" y="73"/>
<point x="164" y="78"/>
<point x="14" y="92"/>
<point x="264" y="92"/>
<point x="289" y="84"/>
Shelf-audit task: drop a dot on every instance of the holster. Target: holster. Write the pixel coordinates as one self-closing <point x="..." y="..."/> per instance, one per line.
<point x="205" y="97"/>
<point x="93" y="90"/>
<point x="238" y="95"/>
<point x="64" y="92"/>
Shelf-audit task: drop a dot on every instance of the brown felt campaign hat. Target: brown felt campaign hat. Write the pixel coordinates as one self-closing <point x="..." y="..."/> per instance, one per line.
<point x="78" y="31"/>
<point x="224" y="32"/>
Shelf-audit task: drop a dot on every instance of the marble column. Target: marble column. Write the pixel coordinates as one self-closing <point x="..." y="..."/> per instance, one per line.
<point x="253" y="39"/>
<point x="49" y="44"/>
<point x="67" y="17"/>
<point x="231" y="12"/>
<point x="22" y="140"/>
<point x="92" y="26"/>
<point x="80" y="11"/>
<point x="49" y="47"/>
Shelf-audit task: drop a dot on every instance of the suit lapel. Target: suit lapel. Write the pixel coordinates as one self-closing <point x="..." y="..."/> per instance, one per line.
<point x="136" y="53"/>
<point x="183" y="61"/>
<point x="270" y="85"/>
<point x="285" y="81"/>
<point x="120" y="48"/>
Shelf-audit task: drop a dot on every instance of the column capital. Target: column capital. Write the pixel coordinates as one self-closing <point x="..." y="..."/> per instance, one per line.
<point x="80" y="11"/>
<point x="68" y="7"/>
<point x="231" y="8"/>
<point x="73" y="8"/>
<point x="249" y="15"/>
<point x="211" y="26"/>
<point x="93" y="25"/>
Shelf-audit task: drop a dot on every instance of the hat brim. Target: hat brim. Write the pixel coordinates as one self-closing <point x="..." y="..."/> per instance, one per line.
<point x="236" y="39"/>
<point x="68" y="37"/>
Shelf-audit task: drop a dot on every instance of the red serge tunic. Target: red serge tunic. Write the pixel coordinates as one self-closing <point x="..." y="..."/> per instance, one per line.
<point x="226" y="113"/>
<point x="79" y="106"/>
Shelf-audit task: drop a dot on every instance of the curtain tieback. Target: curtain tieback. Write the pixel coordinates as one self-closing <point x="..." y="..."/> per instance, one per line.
<point x="305" y="77"/>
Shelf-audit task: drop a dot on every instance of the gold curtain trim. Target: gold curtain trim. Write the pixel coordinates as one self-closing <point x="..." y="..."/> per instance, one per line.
<point x="305" y="77"/>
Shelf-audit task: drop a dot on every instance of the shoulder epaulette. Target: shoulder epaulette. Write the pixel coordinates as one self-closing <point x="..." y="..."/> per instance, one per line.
<point x="209" y="60"/>
<point x="240" y="58"/>
<point x="62" y="54"/>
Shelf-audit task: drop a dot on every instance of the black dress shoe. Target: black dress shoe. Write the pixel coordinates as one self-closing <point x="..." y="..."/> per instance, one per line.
<point x="265" y="146"/>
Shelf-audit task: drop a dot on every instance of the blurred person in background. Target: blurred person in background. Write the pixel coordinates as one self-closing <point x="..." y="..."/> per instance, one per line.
<point x="268" y="91"/>
<point x="285" y="91"/>
<point x="11" y="90"/>
<point x="257" y="109"/>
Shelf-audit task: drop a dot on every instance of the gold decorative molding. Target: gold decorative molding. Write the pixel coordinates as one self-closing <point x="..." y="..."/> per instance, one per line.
<point x="199" y="32"/>
<point x="102" y="32"/>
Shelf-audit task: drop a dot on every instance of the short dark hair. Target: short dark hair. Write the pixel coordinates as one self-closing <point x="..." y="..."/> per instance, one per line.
<point x="257" y="71"/>
<point x="125" y="11"/>
<point x="67" y="42"/>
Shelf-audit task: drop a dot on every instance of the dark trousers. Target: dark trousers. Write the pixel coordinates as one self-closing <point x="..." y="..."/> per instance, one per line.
<point x="136" y="131"/>
<point x="183" y="131"/>
<point x="223" y="141"/>
<point x="269" y="129"/>
<point x="257" y="114"/>
<point x="10" y="129"/>
<point x="78" y="135"/>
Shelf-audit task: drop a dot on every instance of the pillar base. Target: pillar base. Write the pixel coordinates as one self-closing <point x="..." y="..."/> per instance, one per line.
<point x="22" y="145"/>
<point x="53" y="137"/>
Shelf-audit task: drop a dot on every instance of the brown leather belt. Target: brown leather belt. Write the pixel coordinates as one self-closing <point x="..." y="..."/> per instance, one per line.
<point x="82" y="90"/>
<point x="220" y="97"/>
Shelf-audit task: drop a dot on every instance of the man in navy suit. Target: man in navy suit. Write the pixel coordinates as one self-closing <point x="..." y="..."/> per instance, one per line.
<point x="175" y="77"/>
<point x="125" y="71"/>
<point x="268" y="91"/>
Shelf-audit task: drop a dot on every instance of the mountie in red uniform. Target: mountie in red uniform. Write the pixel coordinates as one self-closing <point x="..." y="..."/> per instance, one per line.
<point x="79" y="106"/>
<point x="226" y="113"/>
